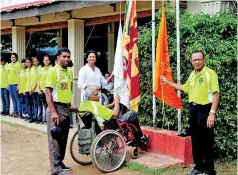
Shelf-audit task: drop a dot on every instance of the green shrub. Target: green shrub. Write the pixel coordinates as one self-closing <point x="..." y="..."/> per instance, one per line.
<point x="216" y="36"/>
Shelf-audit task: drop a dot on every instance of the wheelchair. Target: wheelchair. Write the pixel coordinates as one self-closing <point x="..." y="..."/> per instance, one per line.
<point x="108" y="148"/>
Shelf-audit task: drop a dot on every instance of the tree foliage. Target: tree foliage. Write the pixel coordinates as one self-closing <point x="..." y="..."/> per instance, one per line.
<point x="216" y="37"/>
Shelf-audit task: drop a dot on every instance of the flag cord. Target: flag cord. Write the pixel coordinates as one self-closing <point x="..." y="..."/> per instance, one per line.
<point x="120" y="10"/>
<point x="163" y="100"/>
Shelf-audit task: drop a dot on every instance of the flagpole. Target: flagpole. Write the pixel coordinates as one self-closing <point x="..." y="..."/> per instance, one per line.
<point x="178" y="61"/>
<point x="153" y="59"/>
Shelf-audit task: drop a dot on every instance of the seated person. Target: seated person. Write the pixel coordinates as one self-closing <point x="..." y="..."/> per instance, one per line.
<point x="102" y="113"/>
<point x="108" y="86"/>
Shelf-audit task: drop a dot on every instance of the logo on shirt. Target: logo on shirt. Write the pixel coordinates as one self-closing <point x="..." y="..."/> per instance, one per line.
<point x="63" y="85"/>
<point x="200" y="82"/>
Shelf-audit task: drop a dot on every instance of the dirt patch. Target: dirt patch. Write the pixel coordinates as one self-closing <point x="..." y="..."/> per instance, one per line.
<point x="25" y="152"/>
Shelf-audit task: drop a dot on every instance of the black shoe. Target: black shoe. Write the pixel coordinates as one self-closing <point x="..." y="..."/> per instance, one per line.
<point x="19" y="115"/>
<point x="37" y="122"/>
<point x="5" y="113"/>
<point x="209" y="173"/>
<point x="15" y="115"/>
<point x="30" y="121"/>
<point x="2" y="112"/>
<point x="145" y="140"/>
<point x="195" y="172"/>
<point x="66" y="168"/>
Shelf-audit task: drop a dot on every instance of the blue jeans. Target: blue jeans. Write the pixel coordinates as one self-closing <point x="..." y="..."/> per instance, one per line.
<point x="37" y="107"/>
<point x="44" y="118"/>
<point x="45" y="106"/>
<point x="15" y="98"/>
<point x="5" y="100"/>
<point x="23" y="104"/>
<point x="28" y="102"/>
<point x="71" y="120"/>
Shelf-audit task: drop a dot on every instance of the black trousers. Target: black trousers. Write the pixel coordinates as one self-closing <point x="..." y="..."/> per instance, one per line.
<point x="202" y="138"/>
<point x="57" y="148"/>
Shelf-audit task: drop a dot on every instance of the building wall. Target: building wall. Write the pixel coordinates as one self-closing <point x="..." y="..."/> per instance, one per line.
<point x="210" y="6"/>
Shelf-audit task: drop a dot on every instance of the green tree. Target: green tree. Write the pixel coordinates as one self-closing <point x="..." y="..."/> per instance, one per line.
<point x="215" y="35"/>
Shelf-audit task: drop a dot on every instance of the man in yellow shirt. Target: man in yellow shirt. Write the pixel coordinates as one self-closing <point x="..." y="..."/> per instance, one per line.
<point x="58" y="91"/>
<point x="203" y="95"/>
<point x="4" y="92"/>
<point x="102" y="113"/>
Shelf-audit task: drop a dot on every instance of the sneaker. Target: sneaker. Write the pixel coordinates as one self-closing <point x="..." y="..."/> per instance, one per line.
<point x="66" y="168"/>
<point x="2" y="112"/>
<point x="15" y="115"/>
<point x="61" y="173"/>
<point x="195" y="172"/>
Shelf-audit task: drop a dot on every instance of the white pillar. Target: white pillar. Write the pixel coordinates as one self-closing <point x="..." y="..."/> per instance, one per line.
<point x="111" y="46"/>
<point x="76" y="47"/>
<point x="19" y="41"/>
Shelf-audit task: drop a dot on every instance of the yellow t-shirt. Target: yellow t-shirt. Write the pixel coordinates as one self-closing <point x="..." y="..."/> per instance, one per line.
<point x="35" y="75"/>
<point x="43" y="75"/>
<point x="13" y="71"/>
<point x="200" y="87"/>
<point x="100" y="111"/>
<point x="22" y="80"/>
<point x="3" y="75"/>
<point x="28" y="79"/>
<point x="60" y="80"/>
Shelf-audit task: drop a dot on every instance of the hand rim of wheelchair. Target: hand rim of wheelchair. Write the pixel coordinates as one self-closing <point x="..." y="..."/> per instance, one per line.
<point x="95" y="144"/>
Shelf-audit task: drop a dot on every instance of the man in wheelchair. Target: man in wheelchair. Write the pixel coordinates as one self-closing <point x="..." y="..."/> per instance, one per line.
<point x="120" y="113"/>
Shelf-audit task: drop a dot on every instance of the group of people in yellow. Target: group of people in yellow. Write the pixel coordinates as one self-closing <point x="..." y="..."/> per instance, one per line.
<point x="25" y="82"/>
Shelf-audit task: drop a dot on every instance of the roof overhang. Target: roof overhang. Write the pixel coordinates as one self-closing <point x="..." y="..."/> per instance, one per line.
<point x="56" y="6"/>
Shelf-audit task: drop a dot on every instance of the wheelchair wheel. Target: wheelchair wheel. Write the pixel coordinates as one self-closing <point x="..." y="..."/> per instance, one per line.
<point x="83" y="159"/>
<point x="135" y="153"/>
<point x="108" y="151"/>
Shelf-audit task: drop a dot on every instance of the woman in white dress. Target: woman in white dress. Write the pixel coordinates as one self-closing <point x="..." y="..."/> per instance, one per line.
<point x="90" y="75"/>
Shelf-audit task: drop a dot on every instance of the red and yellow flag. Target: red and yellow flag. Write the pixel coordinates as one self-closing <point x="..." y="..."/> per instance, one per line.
<point x="162" y="91"/>
<point x="130" y="52"/>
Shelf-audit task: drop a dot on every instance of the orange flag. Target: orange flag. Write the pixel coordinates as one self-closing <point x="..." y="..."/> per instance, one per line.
<point x="162" y="91"/>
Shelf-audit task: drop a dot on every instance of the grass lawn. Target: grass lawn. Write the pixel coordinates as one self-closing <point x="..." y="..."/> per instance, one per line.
<point x="223" y="167"/>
